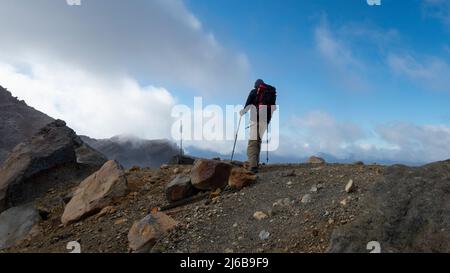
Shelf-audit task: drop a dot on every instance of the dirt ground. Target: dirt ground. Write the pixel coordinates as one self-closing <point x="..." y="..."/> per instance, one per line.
<point x="225" y="223"/>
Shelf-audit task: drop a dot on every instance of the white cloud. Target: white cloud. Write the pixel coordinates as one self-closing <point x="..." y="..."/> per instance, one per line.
<point x="97" y="66"/>
<point x="324" y="133"/>
<point x="91" y="105"/>
<point x="416" y="143"/>
<point x="439" y="9"/>
<point x="319" y="132"/>
<point x="348" y="70"/>
<point x="158" y="41"/>
<point x="429" y="72"/>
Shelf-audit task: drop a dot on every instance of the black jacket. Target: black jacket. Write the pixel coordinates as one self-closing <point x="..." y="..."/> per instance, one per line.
<point x="251" y="99"/>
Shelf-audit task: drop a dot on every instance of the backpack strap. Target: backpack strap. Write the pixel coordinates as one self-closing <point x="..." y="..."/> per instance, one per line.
<point x="260" y="94"/>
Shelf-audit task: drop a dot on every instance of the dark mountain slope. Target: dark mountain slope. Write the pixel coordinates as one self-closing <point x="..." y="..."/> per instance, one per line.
<point x="18" y="122"/>
<point x="131" y="151"/>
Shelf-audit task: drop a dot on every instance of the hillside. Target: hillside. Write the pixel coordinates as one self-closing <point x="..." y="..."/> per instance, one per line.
<point x="226" y="223"/>
<point x="18" y="122"/>
<point x="133" y="151"/>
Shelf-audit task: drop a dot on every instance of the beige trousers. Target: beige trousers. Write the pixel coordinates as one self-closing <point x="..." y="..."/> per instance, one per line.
<point x="257" y="131"/>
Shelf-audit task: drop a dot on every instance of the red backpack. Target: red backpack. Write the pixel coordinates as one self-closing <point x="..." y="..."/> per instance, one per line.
<point x="266" y="95"/>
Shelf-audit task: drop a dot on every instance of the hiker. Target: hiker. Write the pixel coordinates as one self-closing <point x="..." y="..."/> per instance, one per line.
<point x="261" y="104"/>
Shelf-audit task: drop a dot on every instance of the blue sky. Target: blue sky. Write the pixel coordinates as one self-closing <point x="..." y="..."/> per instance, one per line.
<point x="354" y="81"/>
<point x="279" y="39"/>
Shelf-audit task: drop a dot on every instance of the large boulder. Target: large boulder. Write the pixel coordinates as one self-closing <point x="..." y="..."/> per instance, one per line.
<point x="53" y="146"/>
<point x="18" y="122"/>
<point x="86" y="155"/>
<point x="97" y="191"/>
<point x="179" y="188"/>
<point x="240" y="178"/>
<point x="16" y="224"/>
<point x="210" y="174"/>
<point x="316" y="160"/>
<point x="406" y="211"/>
<point x="144" y="233"/>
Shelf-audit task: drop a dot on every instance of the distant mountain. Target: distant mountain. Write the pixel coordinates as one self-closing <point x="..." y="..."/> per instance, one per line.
<point x="18" y="122"/>
<point x="280" y="159"/>
<point x="132" y="151"/>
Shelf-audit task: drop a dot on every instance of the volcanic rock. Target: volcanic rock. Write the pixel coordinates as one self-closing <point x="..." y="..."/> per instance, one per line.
<point x="406" y="211"/>
<point x="53" y="146"/>
<point x="210" y="174"/>
<point x="16" y="223"/>
<point x="96" y="192"/>
<point x="179" y="188"/>
<point x="240" y="178"/>
<point x="144" y="233"/>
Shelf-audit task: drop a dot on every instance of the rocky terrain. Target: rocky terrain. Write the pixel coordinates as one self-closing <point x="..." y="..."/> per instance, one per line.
<point x="407" y="211"/>
<point x="48" y="158"/>
<point x="58" y="191"/>
<point x="19" y="122"/>
<point x="299" y="206"/>
<point x="288" y="208"/>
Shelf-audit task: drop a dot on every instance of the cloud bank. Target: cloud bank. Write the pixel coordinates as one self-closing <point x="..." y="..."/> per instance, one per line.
<point x="319" y="132"/>
<point x="109" y="67"/>
<point x="158" y="41"/>
<point x="98" y="107"/>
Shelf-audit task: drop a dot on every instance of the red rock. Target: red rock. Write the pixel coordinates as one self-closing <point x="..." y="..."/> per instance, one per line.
<point x="179" y="188"/>
<point x="240" y="178"/>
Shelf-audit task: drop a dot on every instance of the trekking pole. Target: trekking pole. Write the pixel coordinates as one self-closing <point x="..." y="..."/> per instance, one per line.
<point x="181" y="139"/>
<point x="267" y="140"/>
<point x="235" y="138"/>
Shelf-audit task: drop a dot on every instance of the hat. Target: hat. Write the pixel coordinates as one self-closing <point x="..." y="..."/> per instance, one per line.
<point x="258" y="83"/>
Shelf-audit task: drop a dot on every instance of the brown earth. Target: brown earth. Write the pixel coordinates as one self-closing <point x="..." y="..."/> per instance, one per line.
<point x="224" y="223"/>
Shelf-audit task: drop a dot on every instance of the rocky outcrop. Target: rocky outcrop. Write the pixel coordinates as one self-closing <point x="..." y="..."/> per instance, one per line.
<point x="18" y="122"/>
<point x="16" y="224"/>
<point x="53" y="146"/>
<point x="179" y="188"/>
<point x="240" y="178"/>
<point x="144" y="233"/>
<point x="316" y="160"/>
<point x="210" y="174"/>
<point x="407" y="211"/>
<point x="86" y="155"/>
<point x="132" y="151"/>
<point x="96" y="192"/>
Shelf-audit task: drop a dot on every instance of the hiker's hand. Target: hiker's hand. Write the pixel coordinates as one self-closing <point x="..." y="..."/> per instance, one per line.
<point x="242" y="112"/>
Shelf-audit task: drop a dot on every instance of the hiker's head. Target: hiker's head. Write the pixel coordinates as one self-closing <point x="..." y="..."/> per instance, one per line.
<point x="258" y="83"/>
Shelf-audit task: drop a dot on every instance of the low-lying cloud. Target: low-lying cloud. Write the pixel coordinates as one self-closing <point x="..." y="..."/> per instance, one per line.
<point x="92" y="105"/>
<point x="109" y="67"/>
<point x="319" y="132"/>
